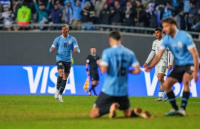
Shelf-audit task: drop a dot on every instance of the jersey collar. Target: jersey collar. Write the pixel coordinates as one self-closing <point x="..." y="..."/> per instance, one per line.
<point x="64" y="37"/>
<point x="177" y="30"/>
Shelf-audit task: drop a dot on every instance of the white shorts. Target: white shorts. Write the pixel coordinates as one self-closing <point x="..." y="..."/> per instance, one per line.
<point x="160" y="69"/>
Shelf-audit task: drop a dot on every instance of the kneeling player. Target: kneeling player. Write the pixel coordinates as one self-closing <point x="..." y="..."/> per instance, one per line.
<point x="93" y="71"/>
<point x="116" y="61"/>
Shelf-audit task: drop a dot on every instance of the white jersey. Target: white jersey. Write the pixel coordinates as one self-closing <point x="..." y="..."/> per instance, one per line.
<point x="164" y="61"/>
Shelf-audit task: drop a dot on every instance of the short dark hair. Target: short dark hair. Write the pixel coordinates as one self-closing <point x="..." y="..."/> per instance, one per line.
<point x="92" y="47"/>
<point x="169" y="20"/>
<point x="115" y="35"/>
<point x="158" y="29"/>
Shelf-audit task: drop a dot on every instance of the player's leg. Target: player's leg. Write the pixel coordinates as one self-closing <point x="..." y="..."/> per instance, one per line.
<point x="102" y="106"/>
<point x="67" y="67"/>
<point x="186" y="93"/>
<point x="94" y="84"/>
<point x="59" y="79"/>
<point x="160" y="77"/>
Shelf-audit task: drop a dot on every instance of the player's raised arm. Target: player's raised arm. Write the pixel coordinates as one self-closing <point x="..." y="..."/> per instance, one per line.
<point x="150" y="57"/>
<point x="170" y="60"/>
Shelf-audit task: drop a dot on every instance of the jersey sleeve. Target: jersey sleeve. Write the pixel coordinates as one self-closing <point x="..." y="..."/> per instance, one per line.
<point x="189" y="42"/>
<point x="134" y="61"/>
<point x="55" y="43"/>
<point x="105" y="59"/>
<point x="88" y="60"/>
<point x="165" y="42"/>
<point x="151" y="54"/>
<point x="75" y="45"/>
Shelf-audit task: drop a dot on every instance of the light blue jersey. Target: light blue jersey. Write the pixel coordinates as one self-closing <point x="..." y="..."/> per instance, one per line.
<point x="179" y="46"/>
<point x="117" y="59"/>
<point x="65" y="47"/>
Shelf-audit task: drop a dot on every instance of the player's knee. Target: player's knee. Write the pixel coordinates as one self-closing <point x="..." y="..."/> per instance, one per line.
<point x="94" y="114"/>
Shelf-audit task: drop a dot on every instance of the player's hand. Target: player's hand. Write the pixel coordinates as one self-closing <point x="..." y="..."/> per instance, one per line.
<point x="148" y="69"/>
<point x="195" y="76"/>
<point x="145" y="65"/>
<point x="170" y="67"/>
<point x="88" y="73"/>
<point x="75" y="50"/>
<point x="99" y="62"/>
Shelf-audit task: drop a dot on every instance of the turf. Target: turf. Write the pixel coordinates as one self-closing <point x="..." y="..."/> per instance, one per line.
<point x="44" y="112"/>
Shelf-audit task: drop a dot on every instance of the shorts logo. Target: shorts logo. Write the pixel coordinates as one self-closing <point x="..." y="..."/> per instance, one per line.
<point x="180" y="44"/>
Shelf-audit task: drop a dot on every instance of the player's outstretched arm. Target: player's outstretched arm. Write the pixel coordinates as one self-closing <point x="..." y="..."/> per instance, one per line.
<point x="155" y="60"/>
<point x="170" y="60"/>
<point x="136" y="70"/>
<point x="195" y="56"/>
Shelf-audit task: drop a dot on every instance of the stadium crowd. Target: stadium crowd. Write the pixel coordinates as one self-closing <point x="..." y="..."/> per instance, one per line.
<point x="82" y="14"/>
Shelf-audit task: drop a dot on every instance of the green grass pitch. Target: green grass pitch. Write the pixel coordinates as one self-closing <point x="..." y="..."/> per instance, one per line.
<point x="44" y="112"/>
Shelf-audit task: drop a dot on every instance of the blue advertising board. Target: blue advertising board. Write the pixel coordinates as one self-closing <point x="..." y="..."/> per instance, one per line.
<point x="41" y="79"/>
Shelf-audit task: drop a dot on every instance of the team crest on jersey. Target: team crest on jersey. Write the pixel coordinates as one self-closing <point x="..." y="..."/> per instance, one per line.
<point x="70" y="42"/>
<point x="180" y="44"/>
<point x="60" y="42"/>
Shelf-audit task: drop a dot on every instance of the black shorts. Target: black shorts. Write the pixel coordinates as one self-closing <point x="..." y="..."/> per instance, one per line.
<point x="104" y="102"/>
<point x="94" y="75"/>
<point x="179" y="71"/>
<point x="64" y="65"/>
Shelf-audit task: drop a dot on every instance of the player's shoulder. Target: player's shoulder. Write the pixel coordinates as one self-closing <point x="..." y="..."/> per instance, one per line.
<point x="155" y="41"/>
<point x="184" y="34"/>
<point x="57" y="38"/>
<point x="128" y="51"/>
<point x="166" y="38"/>
<point x="72" y="37"/>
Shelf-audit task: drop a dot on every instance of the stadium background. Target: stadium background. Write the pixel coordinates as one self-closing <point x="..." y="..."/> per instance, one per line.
<point x="27" y="67"/>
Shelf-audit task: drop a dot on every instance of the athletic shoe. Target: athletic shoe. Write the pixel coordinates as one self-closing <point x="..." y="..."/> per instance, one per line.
<point x="172" y="112"/>
<point x="165" y="98"/>
<point x="60" y="98"/>
<point x="181" y="112"/>
<point x="89" y="93"/>
<point x="56" y="94"/>
<point x="142" y="113"/>
<point x="158" y="99"/>
<point x="113" y="109"/>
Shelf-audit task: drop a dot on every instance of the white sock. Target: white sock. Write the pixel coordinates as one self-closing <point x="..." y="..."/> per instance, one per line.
<point x="161" y="94"/>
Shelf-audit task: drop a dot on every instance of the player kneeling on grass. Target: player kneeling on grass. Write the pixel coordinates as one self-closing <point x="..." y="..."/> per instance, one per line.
<point x="185" y="54"/>
<point x="65" y="45"/>
<point x="161" y="68"/>
<point x="116" y="61"/>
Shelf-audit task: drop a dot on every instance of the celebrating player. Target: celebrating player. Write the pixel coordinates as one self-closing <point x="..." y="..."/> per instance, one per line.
<point x="116" y="61"/>
<point x="166" y="60"/>
<point x="187" y="66"/>
<point x="65" y="45"/>
<point x="93" y="71"/>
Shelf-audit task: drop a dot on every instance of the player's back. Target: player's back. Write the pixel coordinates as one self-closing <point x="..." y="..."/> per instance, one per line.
<point x="119" y="58"/>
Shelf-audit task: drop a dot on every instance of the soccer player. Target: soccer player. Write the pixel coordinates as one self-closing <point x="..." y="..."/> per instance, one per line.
<point x="116" y="61"/>
<point x="186" y="56"/>
<point x="166" y="60"/>
<point x="65" y="45"/>
<point x="93" y="71"/>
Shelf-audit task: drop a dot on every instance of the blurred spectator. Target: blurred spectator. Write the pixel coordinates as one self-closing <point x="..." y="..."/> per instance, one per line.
<point x="99" y="6"/>
<point x="111" y="3"/>
<point x="56" y="16"/>
<point x="77" y="7"/>
<point x="24" y="16"/>
<point x="60" y="6"/>
<point x="152" y="16"/>
<point x="196" y="22"/>
<point x="67" y="13"/>
<point x="105" y="14"/>
<point x="186" y="7"/>
<point x="133" y="2"/>
<point x="181" y="20"/>
<point x="88" y="16"/>
<point x="167" y="10"/>
<point x="140" y="16"/>
<point x="191" y="14"/>
<point x="8" y="17"/>
<point x="16" y="5"/>
<point x="5" y="3"/>
<point x="129" y="16"/>
<point x="42" y="12"/>
<point x="116" y="14"/>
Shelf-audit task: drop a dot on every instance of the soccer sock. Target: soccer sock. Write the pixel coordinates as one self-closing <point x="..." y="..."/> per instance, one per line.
<point x="161" y="93"/>
<point x="133" y="114"/>
<point x="62" y="86"/>
<point x="185" y="98"/>
<point x="59" y="81"/>
<point x="172" y="99"/>
<point x="93" y="88"/>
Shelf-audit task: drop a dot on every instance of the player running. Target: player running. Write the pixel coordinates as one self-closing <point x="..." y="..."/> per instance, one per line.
<point x="161" y="68"/>
<point x="65" y="45"/>
<point x="187" y="66"/>
<point x="116" y="61"/>
<point x="93" y="71"/>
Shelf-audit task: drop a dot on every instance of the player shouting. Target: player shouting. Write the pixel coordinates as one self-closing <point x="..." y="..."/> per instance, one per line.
<point x="116" y="61"/>
<point x="65" y="45"/>
<point x="166" y="60"/>
<point x="186" y="56"/>
<point x="92" y="69"/>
